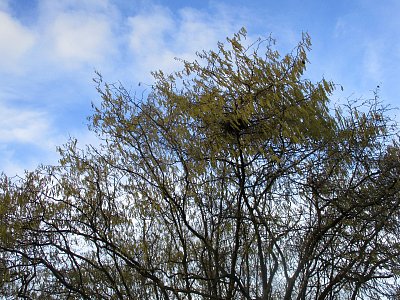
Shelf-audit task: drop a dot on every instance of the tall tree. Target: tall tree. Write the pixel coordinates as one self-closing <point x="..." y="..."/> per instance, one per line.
<point x="232" y="179"/>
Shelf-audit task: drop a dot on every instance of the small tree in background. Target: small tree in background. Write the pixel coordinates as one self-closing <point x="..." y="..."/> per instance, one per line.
<point x="232" y="179"/>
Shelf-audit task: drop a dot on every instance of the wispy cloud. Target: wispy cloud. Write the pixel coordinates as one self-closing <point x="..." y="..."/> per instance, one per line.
<point x="76" y="39"/>
<point x="23" y="126"/>
<point x="157" y="36"/>
<point x="25" y="134"/>
<point x="15" y="43"/>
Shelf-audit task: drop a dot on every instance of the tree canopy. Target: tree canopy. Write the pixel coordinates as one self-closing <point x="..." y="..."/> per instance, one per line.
<point x="235" y="178"/>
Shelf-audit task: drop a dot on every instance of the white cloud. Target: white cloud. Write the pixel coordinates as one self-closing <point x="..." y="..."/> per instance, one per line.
<point x="198" y="31"/>
<point x="65" y="35"/>
<point x="148" y="39"/>
<point x="23" y="126"/>
<point x="77" y="39"/>
<point x="15" y="42"/>
<point x="27" y="139"/>
<point x="149" y="30"/>
<point x="158" y="36"/>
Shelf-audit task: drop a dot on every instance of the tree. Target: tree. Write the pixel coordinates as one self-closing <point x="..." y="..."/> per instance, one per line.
<point x="232" y="179"/>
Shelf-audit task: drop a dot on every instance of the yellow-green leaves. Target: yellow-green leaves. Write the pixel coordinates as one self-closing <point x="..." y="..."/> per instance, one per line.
<point x="245" y="94"/>
<point x="232" y="178"/>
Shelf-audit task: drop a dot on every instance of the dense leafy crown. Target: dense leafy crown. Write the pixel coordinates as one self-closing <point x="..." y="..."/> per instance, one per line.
<point x="232" y="179"/>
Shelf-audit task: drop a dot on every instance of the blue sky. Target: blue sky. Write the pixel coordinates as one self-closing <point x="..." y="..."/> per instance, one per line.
<point x="49" y="50"/>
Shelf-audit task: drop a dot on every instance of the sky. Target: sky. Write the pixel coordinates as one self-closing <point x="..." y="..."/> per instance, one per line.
<point x="50" y="50"/>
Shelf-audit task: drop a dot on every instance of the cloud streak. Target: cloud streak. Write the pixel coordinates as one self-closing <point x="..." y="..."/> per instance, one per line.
<point x="23" y="126"/>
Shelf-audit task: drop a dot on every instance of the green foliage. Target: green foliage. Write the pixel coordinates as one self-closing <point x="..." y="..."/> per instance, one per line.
<point x="231" y="179"/>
